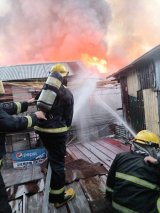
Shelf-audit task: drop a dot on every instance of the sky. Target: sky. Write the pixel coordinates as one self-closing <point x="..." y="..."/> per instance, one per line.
<point x="117" y="31"/>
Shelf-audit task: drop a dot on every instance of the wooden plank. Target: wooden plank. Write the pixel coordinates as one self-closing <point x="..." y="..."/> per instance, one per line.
<point x="104" y="150"/>
<point x="91" y="156"/>
<point x="101" y="156"/>
<point x="18" y="176"/>
<point x="73" y="150"/>
<point x="69" y="151"/>
<point x="88" y="153"/>
<point x="62" y="209"/>
<point x="94" y="189"/>
<point x="80" y="203"/>
<point x="34" y="203"/>
<point x="46" y="191"/>
<point x="114" y="149"/>
<point x="117" y="143"/>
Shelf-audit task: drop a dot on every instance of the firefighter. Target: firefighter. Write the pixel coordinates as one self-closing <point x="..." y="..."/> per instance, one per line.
<point x="132" y="184"/>
<point x="9" y="123"/>
<point x="53" y="134"/>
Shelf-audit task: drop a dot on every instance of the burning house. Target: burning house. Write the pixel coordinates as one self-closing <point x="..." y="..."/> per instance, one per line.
<point x="140" y="87"/>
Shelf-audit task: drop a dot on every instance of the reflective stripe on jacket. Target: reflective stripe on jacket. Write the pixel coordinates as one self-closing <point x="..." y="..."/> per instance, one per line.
<point x="13" y="108"/>
<point x="59" y="118"/>
<point x="9" y="123"/>
<point x="52" y="130"/>
<point x="135" y="184"/>
<point x="57" y="191"/>
<point x="137" y="181"/>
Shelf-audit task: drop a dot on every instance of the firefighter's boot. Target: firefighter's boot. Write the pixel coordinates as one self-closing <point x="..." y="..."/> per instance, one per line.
<point x="69" y="195"/>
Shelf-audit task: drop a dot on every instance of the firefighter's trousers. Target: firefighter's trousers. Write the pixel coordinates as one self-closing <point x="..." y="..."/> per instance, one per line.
<point x="55" y="145"/>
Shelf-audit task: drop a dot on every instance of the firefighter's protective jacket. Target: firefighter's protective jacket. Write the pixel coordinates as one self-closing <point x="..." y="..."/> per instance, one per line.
<point x="9" y="123"/>
<point x="133" y="184"/>
<point x="59" y="118"/>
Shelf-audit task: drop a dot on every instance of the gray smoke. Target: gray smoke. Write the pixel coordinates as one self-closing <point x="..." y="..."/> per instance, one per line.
<point x="134" y="30"/>
<point x="50" y="30"/>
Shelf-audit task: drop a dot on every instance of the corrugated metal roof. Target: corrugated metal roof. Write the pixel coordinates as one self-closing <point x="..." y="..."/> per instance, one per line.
<point x="153" y="53"/>
<point x="31" y="71"/>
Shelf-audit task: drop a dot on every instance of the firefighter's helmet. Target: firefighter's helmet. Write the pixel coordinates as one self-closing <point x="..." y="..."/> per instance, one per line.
<point x="146" y="137"/>
<point x="2" y="91"/>
<point x="61" y="69"/>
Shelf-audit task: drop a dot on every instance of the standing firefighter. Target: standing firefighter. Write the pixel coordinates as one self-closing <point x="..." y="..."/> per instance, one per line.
<point x="132" y="184"/>
<point x="57" y="101"/>
<point x="9" y="123"/>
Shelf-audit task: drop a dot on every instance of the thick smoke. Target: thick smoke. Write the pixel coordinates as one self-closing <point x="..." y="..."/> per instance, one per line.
<point x="52" y="30"/>
<point x="61" y="30"/>
<point x="134" y="30"/>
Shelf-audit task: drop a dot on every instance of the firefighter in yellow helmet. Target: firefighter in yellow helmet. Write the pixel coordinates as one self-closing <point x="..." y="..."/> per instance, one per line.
<point x="147" y="137"/>
<point x="132" y="184"/>
<point x="8" y="124"/>
<point x="58" y="106"/>
<point x="61" y="69"/>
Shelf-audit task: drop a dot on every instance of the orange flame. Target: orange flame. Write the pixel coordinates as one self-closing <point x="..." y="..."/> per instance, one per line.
<point x="94" y="62"/>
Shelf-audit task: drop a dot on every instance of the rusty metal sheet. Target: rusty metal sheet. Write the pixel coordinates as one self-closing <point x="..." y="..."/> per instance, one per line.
<point x="80" y="169"/>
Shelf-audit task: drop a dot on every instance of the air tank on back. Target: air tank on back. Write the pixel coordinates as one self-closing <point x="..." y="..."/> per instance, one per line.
<point x="49" y="91"/>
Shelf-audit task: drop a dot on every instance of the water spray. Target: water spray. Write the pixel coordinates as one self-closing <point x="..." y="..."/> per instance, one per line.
<point x="109" y="109"/>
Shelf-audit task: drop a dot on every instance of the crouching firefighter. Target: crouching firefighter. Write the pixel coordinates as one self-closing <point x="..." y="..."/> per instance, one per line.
<point x="8" y="124"/>
<point x="57" y="102"/>
<point x="132" y="184"/>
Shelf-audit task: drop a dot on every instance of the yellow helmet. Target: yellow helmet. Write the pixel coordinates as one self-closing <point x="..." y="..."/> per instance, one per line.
<point x="2" y="91"/>
<point x="146" y="137"/>
<point x="61" y="69"/>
